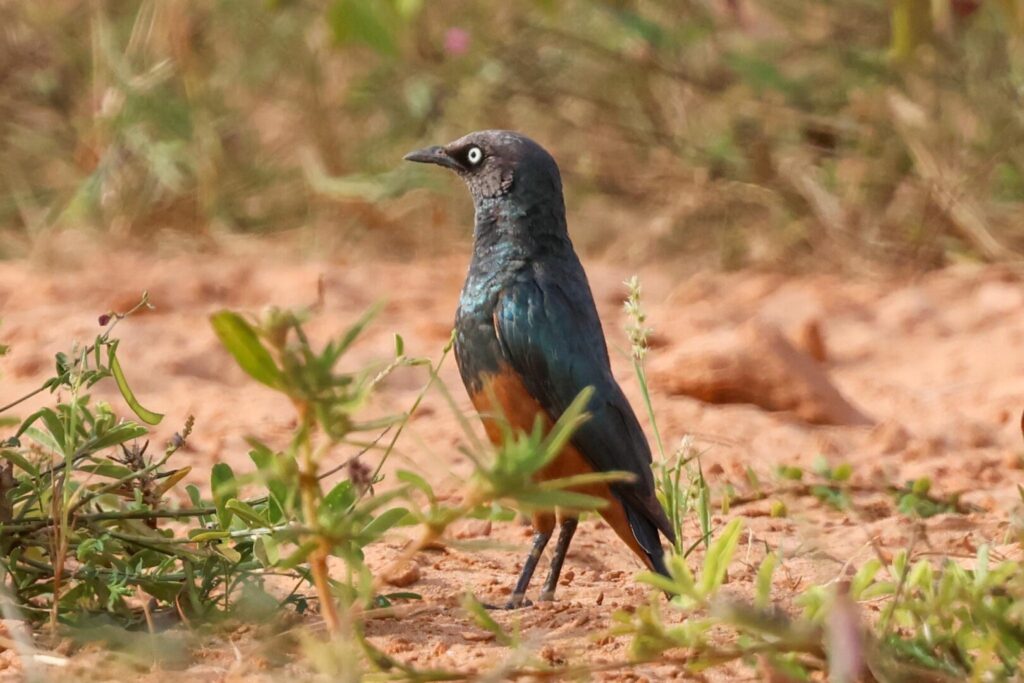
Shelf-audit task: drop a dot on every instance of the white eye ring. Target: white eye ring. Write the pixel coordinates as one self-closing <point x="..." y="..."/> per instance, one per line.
<point x="474" y="156"/>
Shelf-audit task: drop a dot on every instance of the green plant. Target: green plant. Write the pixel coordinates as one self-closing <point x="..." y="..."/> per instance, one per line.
<point x="276" y="352"/>
<point x="835" y="486"/>
<point x="84" y="513"/>
<point x="939" y="622"/>
<point x="78" y="505"/>
<point x="678" y="498"/>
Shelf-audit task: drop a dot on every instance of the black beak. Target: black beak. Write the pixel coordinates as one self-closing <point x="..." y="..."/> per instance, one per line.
<point x="433" y="155"/>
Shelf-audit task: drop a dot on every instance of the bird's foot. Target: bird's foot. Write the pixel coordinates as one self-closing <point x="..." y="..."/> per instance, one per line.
<point x="522" y="601"/>
<point x="515" y="602"/>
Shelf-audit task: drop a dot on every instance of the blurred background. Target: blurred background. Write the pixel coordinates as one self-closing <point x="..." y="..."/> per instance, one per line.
<point x="861" y="135"/>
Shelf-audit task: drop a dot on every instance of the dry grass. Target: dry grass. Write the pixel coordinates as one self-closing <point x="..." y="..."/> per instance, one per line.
<point x="780" y="133"/>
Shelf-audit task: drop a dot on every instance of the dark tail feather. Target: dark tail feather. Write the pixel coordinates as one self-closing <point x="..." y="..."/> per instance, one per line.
<point x="646" y="534"/>
<point x="657" y="559"/>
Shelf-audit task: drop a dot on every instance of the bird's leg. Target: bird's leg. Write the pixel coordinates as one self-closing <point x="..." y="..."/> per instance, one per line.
<point x="565" y="533"/>
<point x="518" y="597"/>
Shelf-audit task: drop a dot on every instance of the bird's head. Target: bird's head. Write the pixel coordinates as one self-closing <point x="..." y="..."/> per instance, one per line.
<point x="497" y="163"/>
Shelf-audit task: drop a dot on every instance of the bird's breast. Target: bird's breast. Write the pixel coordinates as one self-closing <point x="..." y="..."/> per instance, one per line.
<point x="504" y="404"/>
<point x="477" y="350"/>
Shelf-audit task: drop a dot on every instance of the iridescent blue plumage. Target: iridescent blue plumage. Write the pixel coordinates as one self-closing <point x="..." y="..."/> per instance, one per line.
<point x="527" y="329"/>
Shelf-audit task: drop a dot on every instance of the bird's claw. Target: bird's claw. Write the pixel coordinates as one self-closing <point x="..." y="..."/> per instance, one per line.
<point x="513" y="603"/>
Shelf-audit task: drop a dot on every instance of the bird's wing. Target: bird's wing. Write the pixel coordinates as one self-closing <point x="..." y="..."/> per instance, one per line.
<point x="554" y="342"/>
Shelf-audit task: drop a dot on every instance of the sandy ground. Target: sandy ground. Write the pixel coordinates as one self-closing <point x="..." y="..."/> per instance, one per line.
<point x="935" y="362"/>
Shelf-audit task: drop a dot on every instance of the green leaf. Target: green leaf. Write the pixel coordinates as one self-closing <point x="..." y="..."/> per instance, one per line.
<point x="361" y="21"/>
<point x="418" y="482"/>
<point x="921" y="576"/>
<point x="569" y="500"/>
<point x="29" y="421"/>
<point x="55" y="427"/>
<point x="44" y="439"/>
<point x="570" y="420"/>
<point x="402" y="595"/>
<point x="650" y="31"/>
<point x="224" y="487"/>
<point x="382" y="523"/>
<point x="877" y="590"/>
<point x="125" y="431"/>
<point x="762" y="74"/>
<point x="548" y="7"/>
<point x="147" y="416"/>
<point x="335" y="349"/>
<point x="408" y="9"/>
<point x="20" y="462"/>
<point x="260" y="454"/>
<point x="270" y="466"/>
<point x="864" y="577"/>
<point x="981" y="566"/>
<point x="658" y="581"/>
<point x="172" y="480"/>
<point x="589" y="478"/>
<point x="718" y="557"/>
<point x="242" y="342"/>
<point x="106" y="469"/>
<point x="340" y="497"/>
<point x="681" y="574"/>
<point x="300" y="554"/>
<point x="267" y="551"/>
<point x="193" y="495"/>
<point x="485" y="621"/>
<point x="842" y="472"/>
<point x="703" y="504"/>
<point x="247" y="513"/>
<point x="910" y="25"/>
<point x="228" y="552"/>
<point x="764" y="580"/>
<point x="791" y="472"/>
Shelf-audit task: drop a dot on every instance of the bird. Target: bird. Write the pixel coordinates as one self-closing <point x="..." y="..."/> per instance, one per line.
<point x="528" y="340"/>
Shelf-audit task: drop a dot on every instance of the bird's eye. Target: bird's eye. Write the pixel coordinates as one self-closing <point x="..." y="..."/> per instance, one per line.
<point x="474" y="156"/>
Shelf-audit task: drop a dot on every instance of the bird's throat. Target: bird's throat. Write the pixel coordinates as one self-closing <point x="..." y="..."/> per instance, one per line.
<point x="511" y="229"/>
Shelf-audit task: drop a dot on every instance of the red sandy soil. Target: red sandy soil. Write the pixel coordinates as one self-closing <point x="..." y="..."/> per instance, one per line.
<point x="936" y="363"/>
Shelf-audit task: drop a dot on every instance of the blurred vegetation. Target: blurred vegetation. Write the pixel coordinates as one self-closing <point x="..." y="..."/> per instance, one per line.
<point x="755" y="132"/>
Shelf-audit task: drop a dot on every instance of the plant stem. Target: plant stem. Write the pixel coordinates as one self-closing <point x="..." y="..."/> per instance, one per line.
<point x="22" y="399"/>
<point x="34" y="523"/>
<point x="412" y="410"/>
<point x="641" y="375"/>
<point x="62" y="499"/>
<point x="309" y="489"/>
